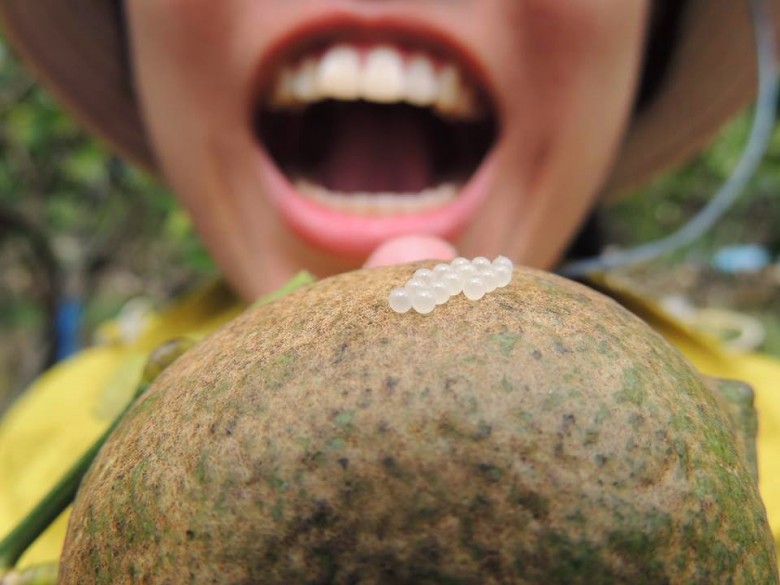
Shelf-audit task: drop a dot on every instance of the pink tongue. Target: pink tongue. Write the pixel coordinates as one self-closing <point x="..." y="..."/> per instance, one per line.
<point x="373" y="152"/>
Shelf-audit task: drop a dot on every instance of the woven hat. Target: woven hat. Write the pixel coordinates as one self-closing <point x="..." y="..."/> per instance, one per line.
<point x="75" y="47"/>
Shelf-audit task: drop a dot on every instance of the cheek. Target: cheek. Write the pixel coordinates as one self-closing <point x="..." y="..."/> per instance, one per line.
<point x="564" y="49"/>
<point x="588" y="29"/>
<point x="183" y="53"/>
<point x="581" y="59"/>
<point x="570" y="71"/>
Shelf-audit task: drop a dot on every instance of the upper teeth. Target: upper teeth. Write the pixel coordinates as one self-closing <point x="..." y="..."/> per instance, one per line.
<point x="382" y="74"/>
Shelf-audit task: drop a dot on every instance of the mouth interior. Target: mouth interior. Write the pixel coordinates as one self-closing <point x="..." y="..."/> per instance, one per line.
<point x="363" y="147"/>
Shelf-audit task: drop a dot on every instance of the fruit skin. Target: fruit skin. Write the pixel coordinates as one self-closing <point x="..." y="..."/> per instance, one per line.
<point x="540" y="435"/>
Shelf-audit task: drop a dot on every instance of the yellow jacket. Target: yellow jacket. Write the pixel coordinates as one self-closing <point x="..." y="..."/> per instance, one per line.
<point x="67" y="408"/>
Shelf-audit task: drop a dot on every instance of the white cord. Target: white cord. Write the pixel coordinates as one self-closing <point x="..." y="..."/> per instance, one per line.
<point x="757" y="144"/>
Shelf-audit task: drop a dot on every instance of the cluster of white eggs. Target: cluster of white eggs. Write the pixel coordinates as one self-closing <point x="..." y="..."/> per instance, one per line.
<point x="428" y="288"/>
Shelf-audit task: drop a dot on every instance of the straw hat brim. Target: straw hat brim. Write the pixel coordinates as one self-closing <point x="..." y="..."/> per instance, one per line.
<point x="75" y="48"/>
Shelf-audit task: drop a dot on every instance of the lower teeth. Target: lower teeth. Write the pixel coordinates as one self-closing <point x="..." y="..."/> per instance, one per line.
<point x="379" y="203"/>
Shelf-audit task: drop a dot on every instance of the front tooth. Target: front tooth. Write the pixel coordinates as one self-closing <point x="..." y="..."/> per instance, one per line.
<point x="338" y="73"/>
<point x="443" y="193"/>
<point x="361" y="203"/>
<point x="383" y="76"/>
<point x="309" y="189"/>
<point x="304" y="82"/>
<point x="455" y="97"/>
<point x="449" y="90"/>
<point x="420" y="81"/>
<point x="385" y="203"/>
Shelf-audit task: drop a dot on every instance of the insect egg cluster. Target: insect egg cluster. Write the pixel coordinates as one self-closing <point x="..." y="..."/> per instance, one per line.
<point x="428" y="288"/>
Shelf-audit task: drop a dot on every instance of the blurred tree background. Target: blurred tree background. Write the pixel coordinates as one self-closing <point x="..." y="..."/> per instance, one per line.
<point x="77" y="223"/>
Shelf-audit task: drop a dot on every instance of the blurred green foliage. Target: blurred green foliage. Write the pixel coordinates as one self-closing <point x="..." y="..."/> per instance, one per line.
<point x="115" y="232"/>
<point x="65" y="183"/>
<point x="667" y="203"/>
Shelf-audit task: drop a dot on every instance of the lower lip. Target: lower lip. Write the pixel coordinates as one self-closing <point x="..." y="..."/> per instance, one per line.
<point x="357" y="236"/>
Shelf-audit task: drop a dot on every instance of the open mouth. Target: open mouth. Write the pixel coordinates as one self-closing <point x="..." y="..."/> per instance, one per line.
<point x="376" y="130"/>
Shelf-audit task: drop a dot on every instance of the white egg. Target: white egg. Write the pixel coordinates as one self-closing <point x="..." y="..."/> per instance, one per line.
<point x="441" y="269"/>
<point x="415" y="284"/>
<point x="440" y="292"/>
<point x="460" y="261"/>
<point x="454" y="283"/>
<point x="503" y="261"/>
<point x="423" y="301"/>
<point x="466" y="271"/>
<point x="488" y="275"/>
<point x="424" y="275"/>
<point x="400" y="300"/>
<point x="503" y="275"/>
<point x="474" y="288"/>
<point x="480" y="262"/>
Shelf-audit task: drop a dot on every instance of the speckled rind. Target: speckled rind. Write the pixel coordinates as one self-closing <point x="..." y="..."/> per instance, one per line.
<point x="540" y="435"/>
<point x="737" y="400"/>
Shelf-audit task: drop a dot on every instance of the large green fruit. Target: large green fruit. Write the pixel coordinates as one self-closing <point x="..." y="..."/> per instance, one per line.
<point x="540" y="435"/>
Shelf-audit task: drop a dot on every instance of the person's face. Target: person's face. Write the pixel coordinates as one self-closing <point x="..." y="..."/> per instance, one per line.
<point x="304" y="133"/>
